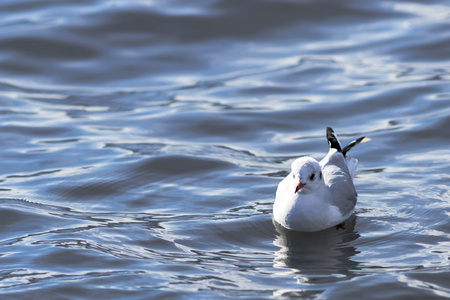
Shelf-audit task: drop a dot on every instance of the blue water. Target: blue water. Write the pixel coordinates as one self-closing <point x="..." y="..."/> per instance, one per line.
<point x="143" y="141"/>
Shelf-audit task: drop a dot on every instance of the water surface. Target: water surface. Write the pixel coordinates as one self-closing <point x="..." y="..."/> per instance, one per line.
<point x="143" y="141"/>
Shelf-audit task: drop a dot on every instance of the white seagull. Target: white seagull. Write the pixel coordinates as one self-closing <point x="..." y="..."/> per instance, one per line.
<point x="318" y="195"/>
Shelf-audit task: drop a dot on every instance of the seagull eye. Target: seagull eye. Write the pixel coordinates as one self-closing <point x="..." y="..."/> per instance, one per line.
<point x="312" y="176"/>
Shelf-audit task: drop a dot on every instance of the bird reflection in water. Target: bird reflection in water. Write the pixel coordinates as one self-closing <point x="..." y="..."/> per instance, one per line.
<point x="317" y="257"/>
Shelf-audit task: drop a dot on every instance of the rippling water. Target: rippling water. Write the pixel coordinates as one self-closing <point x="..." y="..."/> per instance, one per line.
<point x="142" y="143"/>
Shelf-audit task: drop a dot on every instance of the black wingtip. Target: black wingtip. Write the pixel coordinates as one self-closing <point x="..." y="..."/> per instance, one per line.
<point x="352" y="144"/>
<point x="333" y="141"/>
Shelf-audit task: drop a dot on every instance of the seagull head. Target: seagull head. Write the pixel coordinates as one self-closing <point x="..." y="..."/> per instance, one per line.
<point x="306" y="173"/>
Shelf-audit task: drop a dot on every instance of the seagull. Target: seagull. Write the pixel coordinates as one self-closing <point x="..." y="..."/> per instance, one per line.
<point x="318" y="195"/>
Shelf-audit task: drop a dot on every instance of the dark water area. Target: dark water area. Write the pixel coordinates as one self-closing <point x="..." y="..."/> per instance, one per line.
<point x="143" y="141"/>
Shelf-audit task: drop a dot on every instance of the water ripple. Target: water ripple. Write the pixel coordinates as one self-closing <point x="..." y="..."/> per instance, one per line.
<point x="142" y="143"/>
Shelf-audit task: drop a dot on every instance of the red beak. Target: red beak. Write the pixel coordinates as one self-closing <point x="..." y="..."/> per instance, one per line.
<point x="299" y="186"/>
